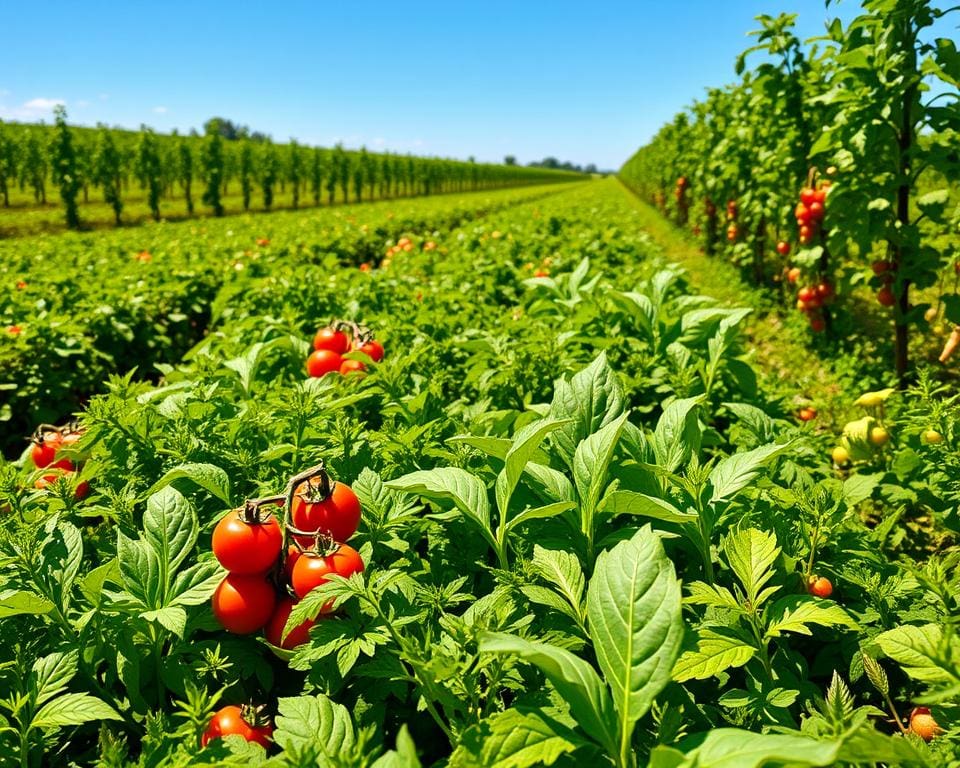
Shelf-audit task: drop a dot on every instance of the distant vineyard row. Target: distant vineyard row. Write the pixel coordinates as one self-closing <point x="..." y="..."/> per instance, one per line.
<point x="200" y="170"/>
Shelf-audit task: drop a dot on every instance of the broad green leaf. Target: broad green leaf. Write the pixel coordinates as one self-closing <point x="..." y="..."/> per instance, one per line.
<point x="196" y="584"/>
<point x="857" y="488"/>
<point x="563" y="572"/>
<point x="170" y="528"/>
<point x="540" y="513"/>
<point x="718" y="650"/>
<point x="516" y="739"/>
<point x="751" y="553"/>
<point x="171" y="617"/>
<point x="547" y="597"/>
<point x="549" y="484"/>
<point x="92" y="583"/>
<point x="734" y="473"/>
<point x="918" y="650"/>
<point x="591" y="461"/>
<point x="633" y="503"/>
<point x="20" y="603"/>
<point x="639" y="307"/>
<point x="140" y="570"/>
<point x="793" y="613"/>
<point x="590" y="400"/>
<point x="525" y="443"/>
<point x="633" y="607"/>
<point x="497" y="447"/>
<point x="314" y="720"/>
<point x="52" y="673"/>
<point x="677" y="434"/>
<point x="575" y="680"/>
<point x="211" y="478"/>
<point x="467" y="493"/>
<point x="73" y="709"/>
<point x="736" y="748"/>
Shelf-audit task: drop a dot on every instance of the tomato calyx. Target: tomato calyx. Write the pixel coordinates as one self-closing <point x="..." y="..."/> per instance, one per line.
<point x="321" y="544"/>
<point x="316" y="488"/>
<point x="255" y="715"/>
<point x="252" y="512"/>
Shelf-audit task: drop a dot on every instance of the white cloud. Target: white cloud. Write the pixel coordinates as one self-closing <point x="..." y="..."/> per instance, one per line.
<point x="160" y="110"/>
<point x="35" y="109"/>
<point x="43" y="105"/>
<point x="379" y="142"/>
<point x="83" y="103"/>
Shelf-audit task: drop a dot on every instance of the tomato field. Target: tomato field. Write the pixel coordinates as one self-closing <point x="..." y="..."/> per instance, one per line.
<point x="626" y="471"/>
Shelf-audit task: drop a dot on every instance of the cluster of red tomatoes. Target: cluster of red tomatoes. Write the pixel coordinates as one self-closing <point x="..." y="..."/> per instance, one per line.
<point x="810" y="211"/>
<point x="681" y="190"/>
<point x="812" y="298"/>
<point x="733" y="231"/>
<point x="336" y="340"/>
<point x="249" y="544"/>
<point x="48" y="442"/>
<point x="885" y="273"/>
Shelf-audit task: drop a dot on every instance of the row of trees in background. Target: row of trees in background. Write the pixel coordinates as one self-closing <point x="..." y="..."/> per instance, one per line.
<point x="827" y="165"/>
<point x="225" y="159"/>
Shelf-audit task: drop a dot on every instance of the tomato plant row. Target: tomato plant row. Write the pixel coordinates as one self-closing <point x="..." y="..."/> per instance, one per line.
<point x="588" y="533"/>
<point x="868" y="110"/>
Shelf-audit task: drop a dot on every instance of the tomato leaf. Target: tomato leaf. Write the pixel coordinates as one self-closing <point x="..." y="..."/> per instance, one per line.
<point x="516" y="738"/>
<point x="633" y="607"/>
<point x="575" y="680"/>
<point x="211" y="478"/>
<point x="314" y="721"/>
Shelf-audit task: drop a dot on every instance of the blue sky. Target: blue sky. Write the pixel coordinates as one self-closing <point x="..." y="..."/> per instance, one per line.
<point x="586" y="82"/>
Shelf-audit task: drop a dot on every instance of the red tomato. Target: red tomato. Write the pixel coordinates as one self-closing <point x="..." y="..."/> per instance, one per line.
<point x="825" y="291"/>
<point x="44" y="452"/>
<point x="337" y="515"/>
<point x="816" y="211"/>
<point x="274" y="631"/>
<point x="311" y="570"/>
<point x="323" y="361"/>
<point x="818" y="324"/>
<point x="805" y="294"/>
<point x="783" y="248"/>
<point x="332" y="340"/>
<point x="372" y="349"/>
<point x="885" y="297"/>
<point x="243" y="604"/>
<point x="879" y="267"/>
<point x="807" y="195"/>
<point x="806" y="233"/>
<point x="230" y="721"/>
<point x="820" y="586"/>
<point x="247" y="547"/>
<point x="820" y="195"/>
<point x="807" y="414"/>
<point x="794" y="274"/>
<point x="802" y="213"/>
<point x="351" y="366"/>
